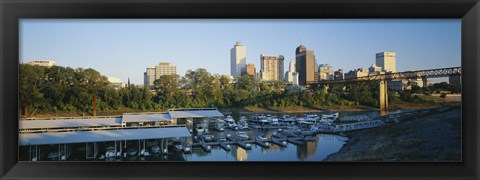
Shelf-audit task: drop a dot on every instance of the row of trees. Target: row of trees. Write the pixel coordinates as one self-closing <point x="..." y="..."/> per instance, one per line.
<point x="65" y="89"/>
<point x="43" y="89"/>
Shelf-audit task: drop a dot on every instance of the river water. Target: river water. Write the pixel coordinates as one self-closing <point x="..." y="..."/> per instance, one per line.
<point x="311" y="151"/>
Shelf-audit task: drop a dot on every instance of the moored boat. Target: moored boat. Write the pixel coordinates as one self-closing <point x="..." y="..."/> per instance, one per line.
<point x="177" y="146"/>
<point x="230" y="122"/>
<point x="207" y="136"/>
<point x="155" y="149"/>
<point x="242" y="135"/>
<point x="110" y="152"/>
<point x="132" y="151"/>
<point x="200" y="128"/>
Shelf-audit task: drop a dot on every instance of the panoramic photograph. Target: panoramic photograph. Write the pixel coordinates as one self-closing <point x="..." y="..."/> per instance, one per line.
<point x="216" y="90"/>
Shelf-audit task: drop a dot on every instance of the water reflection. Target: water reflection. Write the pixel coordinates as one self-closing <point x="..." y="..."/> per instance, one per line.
<point x="307" y="150"/>
<point x="240" y="154"/>
<point x="311" y="151"/>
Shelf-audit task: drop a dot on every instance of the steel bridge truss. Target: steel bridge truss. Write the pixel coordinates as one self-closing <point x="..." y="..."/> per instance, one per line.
<point x="430" y="73"/>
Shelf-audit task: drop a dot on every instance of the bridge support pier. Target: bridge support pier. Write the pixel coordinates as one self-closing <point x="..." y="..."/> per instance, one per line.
<point x="383" y="96"/>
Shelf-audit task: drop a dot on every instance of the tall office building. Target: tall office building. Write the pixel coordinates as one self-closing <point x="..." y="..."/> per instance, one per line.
<point x="325" y="72"/>
<point x="291" y="75"/>
<point x="249" y="70"/>
<point x="153" y="73"/>
<point x="149" y="76"/>
<point x="238" y="59"/>
<point x="306" y="65"/>
<point x="165" y="68"/>
<point x="271" y="67"/>
<point x="386" y="60"/>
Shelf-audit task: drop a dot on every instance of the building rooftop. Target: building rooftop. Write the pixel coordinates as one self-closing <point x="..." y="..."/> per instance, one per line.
<point x="194" y="113"/>
<point x="145" y="117"/>
<point x="117" y="121"/>
<point x="64" y="123"/>
<point x="101" y="136"/>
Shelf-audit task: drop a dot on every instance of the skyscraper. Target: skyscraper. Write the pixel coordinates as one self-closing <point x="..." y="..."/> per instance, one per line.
<point x="386" y="60"/>
<point x="153" y="73"/>
<point x="249" y="70"/>
<point x="149" y="76"/>
<point x="305" y="65"/>
<point x="291" y="75"/>
<point x="238" y="59"/>
<point x="271" y="67"/>
<point x="165" y="68"/>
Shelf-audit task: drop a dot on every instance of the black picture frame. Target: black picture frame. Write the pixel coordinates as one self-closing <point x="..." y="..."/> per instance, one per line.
<point x="12" y="10"/>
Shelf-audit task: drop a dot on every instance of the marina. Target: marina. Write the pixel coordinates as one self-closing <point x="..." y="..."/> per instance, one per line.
<point x="183" y="134"/>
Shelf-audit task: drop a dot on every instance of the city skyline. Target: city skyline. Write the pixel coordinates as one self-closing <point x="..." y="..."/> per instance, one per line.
<point x="117" y="49"/>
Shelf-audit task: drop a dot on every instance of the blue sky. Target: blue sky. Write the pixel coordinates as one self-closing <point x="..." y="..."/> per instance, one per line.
<point x="124" y="48"/>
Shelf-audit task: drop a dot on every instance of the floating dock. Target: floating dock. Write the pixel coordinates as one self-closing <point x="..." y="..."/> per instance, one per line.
<point x="205" y="147"/>
<point x="244" y="145"/>
<point x="224" y="146"/>
<point x="262" y="144"/>
<point x="298" y="143"/>
<point x="247" y="144"/>
<point x="278" y="142"/>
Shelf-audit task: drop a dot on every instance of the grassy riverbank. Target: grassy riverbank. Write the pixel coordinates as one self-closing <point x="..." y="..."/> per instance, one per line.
<point x="436" y="136"/>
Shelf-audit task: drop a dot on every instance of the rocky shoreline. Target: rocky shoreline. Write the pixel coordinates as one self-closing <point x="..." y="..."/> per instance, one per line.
<point x="434" y="136"/>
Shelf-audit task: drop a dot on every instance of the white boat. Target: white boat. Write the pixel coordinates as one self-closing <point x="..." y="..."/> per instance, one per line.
<point x="243" y="118"/>
<point x="274" y="121"/>
<point x="201" y="128"/>
<point x="230" y="122"/>
<point x="242" y="123"/>
<point x="207" y="136"/>
<point x="259" y="119"/>
<point x="155" y="149"/>
<point x="221" y="138"/>
<point x="177" y="146"/>
<point x="309" y="119"/>
<point x="261" y="138"/>
<point x="110" y="152"/>
<point x="242" y="135"/>
<point x="54" y="155"/>
<point x="132" y="152"/>
<point x="187" y="149"/>
<point x="287" y="120"/>
<point x="219" y="125"/>
<point x="146" y="153"/>
<point x="330" y="117"/>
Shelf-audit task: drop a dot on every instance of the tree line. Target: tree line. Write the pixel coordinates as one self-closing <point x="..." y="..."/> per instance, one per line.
<point x="57" y="88"/>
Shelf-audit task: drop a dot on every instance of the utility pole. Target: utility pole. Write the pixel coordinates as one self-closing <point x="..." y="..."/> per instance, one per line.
<point x="94" y="105"/>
